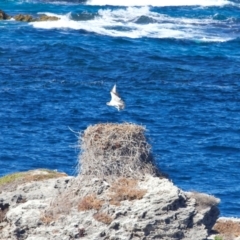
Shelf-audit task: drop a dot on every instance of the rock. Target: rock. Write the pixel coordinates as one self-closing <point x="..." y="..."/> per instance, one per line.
<point x="24" y="18"/>
<point x="29" y="18"/>
<point x="164" y="212"/>
<point x="47" y="18"/>
<point x="106" y="200"/>
<point x="3" y="15"/>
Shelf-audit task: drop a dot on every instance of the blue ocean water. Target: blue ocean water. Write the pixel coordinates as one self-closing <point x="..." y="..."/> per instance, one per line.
<point x="177" y="67"/>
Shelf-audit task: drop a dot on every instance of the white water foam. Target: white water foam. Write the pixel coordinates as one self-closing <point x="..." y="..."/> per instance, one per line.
<point x="158" y="3"/>
<point x="123" y="23"/>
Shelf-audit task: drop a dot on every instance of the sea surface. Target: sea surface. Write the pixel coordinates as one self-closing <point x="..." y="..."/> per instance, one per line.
<point x="176" y="64"/>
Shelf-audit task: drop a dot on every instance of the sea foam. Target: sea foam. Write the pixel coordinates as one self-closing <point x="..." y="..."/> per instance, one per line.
<point x="158" y="3"/>
<point x="138" y="22"/>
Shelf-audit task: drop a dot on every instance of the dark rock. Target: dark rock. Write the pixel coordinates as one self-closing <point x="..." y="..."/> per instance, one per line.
<point x="3" y="210"/>
<point x="3" y="15"/>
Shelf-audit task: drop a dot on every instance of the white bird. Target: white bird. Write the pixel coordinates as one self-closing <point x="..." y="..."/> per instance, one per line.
<point x="116" y="101"/>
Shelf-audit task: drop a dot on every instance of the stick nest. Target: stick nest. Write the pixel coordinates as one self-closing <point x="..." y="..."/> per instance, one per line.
<point x="115" y="150"/>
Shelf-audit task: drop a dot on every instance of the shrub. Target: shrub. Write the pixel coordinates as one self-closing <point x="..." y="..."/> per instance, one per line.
<point x="90" y="202"/>
<point x="228" y="228"/>
<point x="47" y="218"/>
<point x="11" y="178"/>
<point x="103" y="217"/>
<point x="12" y="181"/>
<point x="218" y="238"/>
<point x="204" y="200"/>
<point x="125" y="189"/>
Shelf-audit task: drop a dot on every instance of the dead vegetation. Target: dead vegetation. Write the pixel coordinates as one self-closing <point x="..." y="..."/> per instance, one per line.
<point x="47" y="218"/>
<point x="59" y="206"/>
<point x="113" y="158"/>
<point x="103" y="217"/>
<point x="90" y="202"/>
<point x="12" y="181"/>
<point x="204" y="200"/>
<point x="110" y="150"/>
<point x="125" y="189"/>
<point x="228" y="229"/>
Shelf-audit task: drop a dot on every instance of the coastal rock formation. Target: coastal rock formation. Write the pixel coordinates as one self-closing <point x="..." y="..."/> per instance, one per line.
<point x="27" y="17"/>
<point x="44" y="17"/>
<point x="3" y="15"/>
<point x="23" y="18"/>
<point x="162" y="212"/>
<point x="108" y="201"/>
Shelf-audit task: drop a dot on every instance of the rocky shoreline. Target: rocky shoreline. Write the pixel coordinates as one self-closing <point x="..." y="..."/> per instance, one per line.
<point x="118" y="194"/>
<point x="27" y="17"/>
<point x="163" y="211"/>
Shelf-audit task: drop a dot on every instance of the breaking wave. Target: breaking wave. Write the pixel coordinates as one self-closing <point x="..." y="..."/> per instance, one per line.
<point x="158" y="3"/>
<point x="139" y="22"/>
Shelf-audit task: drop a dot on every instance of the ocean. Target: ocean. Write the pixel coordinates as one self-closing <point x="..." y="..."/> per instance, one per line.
<point x="176" y="65"/>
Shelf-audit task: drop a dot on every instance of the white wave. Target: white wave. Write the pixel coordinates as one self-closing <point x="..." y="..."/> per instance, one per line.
<point x="49" y="14"/>
<point x="158" y="3"/>
<point x="123" y="23"/>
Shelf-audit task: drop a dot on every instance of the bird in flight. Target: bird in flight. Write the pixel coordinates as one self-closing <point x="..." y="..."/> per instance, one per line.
<point x="116" y="100"/>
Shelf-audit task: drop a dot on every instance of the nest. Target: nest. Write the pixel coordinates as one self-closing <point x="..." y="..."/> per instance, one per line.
<point x="115" y="150"/>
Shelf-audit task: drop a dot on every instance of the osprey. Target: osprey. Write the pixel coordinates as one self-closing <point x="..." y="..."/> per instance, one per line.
<point x="116" y="101"/>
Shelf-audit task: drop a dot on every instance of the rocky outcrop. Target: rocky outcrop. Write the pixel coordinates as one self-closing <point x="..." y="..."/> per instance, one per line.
<point x="23" y="18"/>
<point x="163" y="212"/>
<point x="3" y="15"/>
<point x="119" y="194"/>
<point x="47" y="18"/>
<point x="27" y="17"/>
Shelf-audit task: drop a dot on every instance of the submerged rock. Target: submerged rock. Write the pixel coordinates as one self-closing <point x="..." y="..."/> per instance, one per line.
<point x="3" y="15"/>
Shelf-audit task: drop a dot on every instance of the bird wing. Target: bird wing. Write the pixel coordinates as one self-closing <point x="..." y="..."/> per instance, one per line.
<point x="114" y="90"/>
<point x="115" y="97"/>
<point x="116" y="100"/>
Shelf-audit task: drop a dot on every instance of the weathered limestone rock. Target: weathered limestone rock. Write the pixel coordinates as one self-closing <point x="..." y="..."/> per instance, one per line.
<point x="118" y="195"/>
<point x="164" y="212"/>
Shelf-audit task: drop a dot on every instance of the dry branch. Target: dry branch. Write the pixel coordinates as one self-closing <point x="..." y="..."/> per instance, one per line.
<point x="115" y="150"/>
